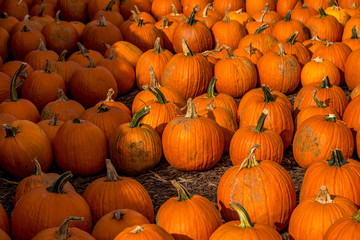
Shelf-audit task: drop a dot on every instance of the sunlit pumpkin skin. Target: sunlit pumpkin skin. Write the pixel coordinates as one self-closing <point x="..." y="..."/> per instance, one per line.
<point x="110" y="102"/>
<point x="15" y="8"/>
<point x="267" y="12"/>
<point x="209" y="16"/>
<point x="319" y="215"/>
<point x="37" y="179"/>
<point x="29" y="214"/>
<point x="73" y="10"/>
<point x="303" y="13"/>
<point x="221" y="100"/>
<point x="201" y="214"/>
<point x="315" y="70"/>
<point x="7" y="22"/>
<point x="80" y="146"/>
<point x="279" y="118"/>
<point x="221" y="6"/>
<point x="67" y="109"/>
<point x="340" y="14"/>
<point x="111" y="224"/>
<point x="37" y="58"/>
<point x="344" y="228"/>
<point x="126" y="50"/>
<point x="351" y="116"/>
<point x="183" y="153"/>
<point x="144" y="231"/>
<point x="4" y="221"/>
<point x="50" y="127"/>
<point x="253" y="54"/>
<point x="188" y="6"/>
<point x="281" y="71"/>
<point x="314" y="43"/>
<point x="352" y="72"/>
<point x="252" y="27"/>
<point x="64" y="232"/>
<point x="354" y="41"/>
<point x="235" y="75"/>
<point x="168" y="28"/>
<point x="333" y="96"/>
<point x="188" y="72"/>
<point x="351" y="7"/>
<point x="160" y="8"/>
<point x="113" y="192"/>
<point x="241" y="16"/>
<point x="81" y="56"/>
<point x="348" y="29"/>
<point x="325" y="26"/>
<point x="283" y="6"/>
<point x="137" y="14"/>
<point x="317" y="3"/>
<point x="272" y="147"/>
<point x="4" y="235"/>
<point x="243" y="228"/>
<point x="308" y="145"/>
<point x="196" y="33"/>
<point x="251" y="183"/>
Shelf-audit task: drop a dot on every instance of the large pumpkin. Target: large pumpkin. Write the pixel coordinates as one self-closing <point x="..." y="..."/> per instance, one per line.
<point x="344" y="228"/>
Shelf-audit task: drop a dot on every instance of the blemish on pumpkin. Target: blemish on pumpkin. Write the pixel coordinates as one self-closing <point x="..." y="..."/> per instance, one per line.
<point x="307" y="143"/>
<point x="137" y="151"/>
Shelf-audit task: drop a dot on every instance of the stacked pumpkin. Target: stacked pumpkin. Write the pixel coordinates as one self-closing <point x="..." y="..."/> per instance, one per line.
<point x="64" y="62"/>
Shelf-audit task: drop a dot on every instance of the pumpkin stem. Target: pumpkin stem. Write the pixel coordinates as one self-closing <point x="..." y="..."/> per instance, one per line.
<point x="186" y="49"/>
<point x="323" y="196"/>
<point x="157" y="46"/>
<point x="240" y="11"/>
<point x="42" y="46"/>
<point x="57" y="17"/>
<point x="226" y="18"/>
<point x="11" y="131"/>
<point x="141" y="22"/>
<point x="353" y="6"/>
<point x="357" y="216"/>
<point x="47" y="68"/>
<point x="217" y="46"/>
<point x="260" y="124"/>
<point x="268" y="97"/>
<point x="137" y="9"/>
<point x="331" y="118"/>
<point x="250" y="160"/>
<point x="54" y="121"/>
<point x="91" y="63"/>
<point x="292" y="38"/>
<point x="110" y="93"/>
<point x="153" y="79"/>
<point x="261" y="28"/>
<point x="183" y="193"/>
<point x="13" y="85"/>
<point x="325" y="83"/>
<point x="210" y="90"/>
<point x="319" y="102"/>
<point x="110" y="6"/>
<point x="281" y="50"/>
<point x="250" y="50"/>
<point x="318" y="59"/>
<point x="205" y="11"/>
<point x="102" y="21"/>
<point x="112" y="55"/>
<point x="134" y="16"/>
<point x="58" y="185"/>
<point x="64" y="233"/>
<point x="76" y="120"/>
<point x="328" y="43"/>
<point x="288" y="16"/>
<point x="111" y="174"/>
<point x="62" y="56"/>
<point x="41" y="12"/>
<point x="137" y="229"/>
<point x="61" y="96"/>
<point x="322" y="12"/>
<point x="158" y="94"/>
<point x="37" y="169"/>
<point x="191" y="110"/>
<point x="230" y="52"/>
<point x="337" y="158"/>
<point x="210" y="106"/>
<point x="244" y="217"/>
<point x="191" y="20"/>
<point x="118" y="215"/>
<point x="165" y="22"/>
<point x="262" y="17"/>
<point x="103" y="108"/>
<point x="174" y="11"/>
<point x="138" y="116"/>
<point x="4" y="15"/>
<point x="354" y="33"/>
<point x="26" y="28"/>
<point x="82" y="49"/>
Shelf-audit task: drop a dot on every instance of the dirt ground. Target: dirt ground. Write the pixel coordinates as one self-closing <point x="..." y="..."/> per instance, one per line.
<point x="157" y="181"/>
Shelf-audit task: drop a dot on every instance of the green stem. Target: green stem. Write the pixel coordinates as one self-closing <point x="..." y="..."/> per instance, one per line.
<point x="325" y="83"/>
<point x="331" y="118"/>
<point x="138" y="116"/>
<point x="186" y="49"/>
<point x="337" y="158"/>
<point x="141" y="22"/>
<point x="244" y="217"/>
<point x="260" y="124"/>
<point x="58" y="185"/>
<point x="357" y="217"/>
<point x="322" y="12"/>
<point x="292" y="38"/>
<point x="288" y="16"/>
<point x="183" y="193"/>
<point x="230" y="52"/>
<point x="110" y="6"/>
<point x="354" y="33"/>
<point x="191" y="20"/>
<point x="268" y="97"/>
<point x="191" y="110"/>
<point x="4" y="15"/>
<point x="262" y="28"/>
<point x="210" y="90"/>
<point x="111" y="174"/>
<point x="11" y="131"/>
<point x="13" y="92"/>
<point x="64" y="233"/>
<point x="158" y="94"/>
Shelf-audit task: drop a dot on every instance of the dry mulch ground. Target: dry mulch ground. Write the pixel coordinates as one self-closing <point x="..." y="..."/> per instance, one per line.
<point x="157" y="181"/>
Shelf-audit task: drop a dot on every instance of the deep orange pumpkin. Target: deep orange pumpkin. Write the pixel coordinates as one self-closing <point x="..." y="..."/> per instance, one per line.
<point x="37" y="58"/>
<point x="4" y="221"/>
<point x="50" y="127"/>
<point x="144" y="232"/>
<point x="344" y="228"/>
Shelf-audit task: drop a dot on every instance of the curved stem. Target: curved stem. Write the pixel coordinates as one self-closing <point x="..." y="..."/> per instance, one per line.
<point x="244" y="217"/>
<point x="112" y="54"/>
<point x="191" y="20"/>
<point x="64" y="233"/>
<point x="110" y="6"/>
<point x="337" y="158"/>
<point x="42" y="46"/>
<point x="357" y="216"/>
<point x="250" y="50"/>
<point x="111" y="174"/>
<point x="323" y="196"/>
<point x="319" y="102"/>
<point x="37" y="169"/>
<point x="292" y="38"/>
<point x="110" y="93"/>
<point x="230" y="52"/>
<point x="174" y="11"/>
<point x="58" y="185"/>
<point x="226" y="18"/>
<point x="250" y="160"/>
<point x="11" y="131"/>
<point x="205" y="12"/>
<point x="288" y="16"/>
<point x="53" y="121"/>
<point x="191" y="110"/>
<point x="157" y="46"/>
<point x="260" y="124"/>
<point x="90" y="61"/>
<point x="281" y="50"/>
<point x="183" y="193"/>
<point x="13" y="85"/>
<point x="118" y="215"/>
<point x="137" y="229"/>
<point x="82" y="48"/>
<point x="153" y="79"/>
<point x="138" y="116"/>
<point x="325" y="83"/>
<point x="268" y="97"/>
<point x="261" y="28"/>
<point x="61" y="96"/>
<point x="210" y="90"/>
<point x="62" y="56"/>
<point x="158" y="94"/>
<point x="137" y="9"/>
<point x="165" y="22"/>
<point x="322" y="12"/>
<point x="186" y="49"/>
<point x="47" y="68"/>
<point x="57" y="17"/>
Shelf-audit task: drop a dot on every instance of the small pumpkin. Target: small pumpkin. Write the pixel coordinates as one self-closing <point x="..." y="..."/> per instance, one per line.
<point x="50" y="127"/>
<point x="110" y="102"/>
<point x="125" y="50"/>
<point x="144" y="231"/>
<point x="37" y="58"/>
<point x="81" y="56"/>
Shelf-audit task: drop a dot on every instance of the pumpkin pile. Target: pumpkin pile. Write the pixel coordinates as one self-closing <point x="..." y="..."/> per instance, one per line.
<point x="205" y="78"/>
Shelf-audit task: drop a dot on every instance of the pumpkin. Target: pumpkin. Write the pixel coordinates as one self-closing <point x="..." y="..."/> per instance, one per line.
<point x="41" y="86"/>
<point x="247" y="136"/>
<point x="175" y="15"/>
<point x="353" y="9"/>
<point x="137" y="14"/>
<point x="355" y="92"/>
<point x="85" y="150"/>
<point x="177" y="140"/>
<point x="37" y="58"/>
<point x="315" y="70"/>
<point x="81" y="56"/>
<point x="7" y="118"/>
<point x="16" y="8"/>
<point x="344" y="228"/>
<point x="4" y="220"/>
<point x="354" y="41"/>
<point x="350" y="116"/>
<point x="252" y="27"/>
<point x="11" y="67"/>
<point x="188" y="5"/>
<point x="168" y="28"/>
<point x="112" y="15"/>
<point x="283" y="6"/>
<point x="254" y="7"/>
<point x="201" y="220"/>
<point x="244" y="229"/>
<point x="7" y="22"/>
<point x="209" y="16"/>
<point x="110" y="102"/>
<point x="352" y="72"/>
<point x="144" y="231"/>
<point x="279" y="118"/>
<point x="42" y="8"/>
<point x="113" y="192"/>
<point x="43" y="19"/>
<point x="253" y="54"/>
<point x="255" y="180"/>
<point x="221" y="5"/>
<point x="308" y="145"/>
<point x="317" y="3"/>
<point x="4" y="44"/>
<point x="241" y="16"/>
<point x="303" y="13"/>
<point x="353" y="21"/>
<point x="188" y="72"/>
<point x="4" y="235"/>
<point x="73" y="10"/>
<point x="157" y="58"/>
<point x="37" y="179"/>
<point x="111" y="224"/>
<point x="340" y="14"/>
<point x="64" y="232"/>
<point x="60" y="35"/>
<point x="50" y="127"/>
<point x="235" y="75"/>
<point x="160" y="8"/>
<point x="98" y="5"/>
<point x="127" y="5"/>
<point x="320" y="212"/>
<point x="30" y="217"/>
<point x="5" y="82"/>
<point x="67" y="109"/>
<point x="280" y="71"/>
<point x="126" y="50"/>
<point x="33" y="25"/>
<point x="313" y="43"/>
<point x="268" y="14"/>
<point x="348" y="3"/>
<point x="79" y="26"/>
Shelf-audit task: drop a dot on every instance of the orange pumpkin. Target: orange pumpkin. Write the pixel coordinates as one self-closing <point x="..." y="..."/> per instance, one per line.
<point x="344" y="228"/>
<point x="354" y="41"/>
<point x="209" y="16"/>
<point x="98" y="5"/>
<point x="50" y="127"/>
<point x="111" y="14"/>
<point x="144" y="231"/>
<point x="352" y="72"/>
<point x="160" y="8"/>
<point x="37" y="58"/>
<point x="81" y="56"/>
<point x="241" y="16"/>
<point x="16" y="8"/>
<point x="314" y="43"/>
<point x="110" y="102"/>
<point x="73" y="10"/>
<point x="7" y="22"/>
<point x="4" y="221"/>
<point x="221" y="5"/>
